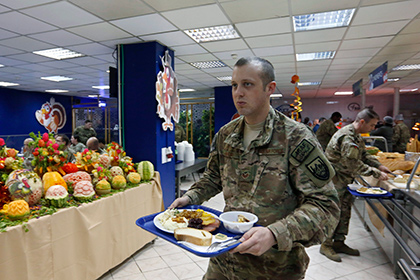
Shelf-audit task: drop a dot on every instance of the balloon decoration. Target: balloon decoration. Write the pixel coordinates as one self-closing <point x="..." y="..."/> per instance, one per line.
<point x="297" y="103"/>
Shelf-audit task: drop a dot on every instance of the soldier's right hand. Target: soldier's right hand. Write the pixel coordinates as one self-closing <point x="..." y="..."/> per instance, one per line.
<point x="383" y="176"/>
<point x="180" y="202"/>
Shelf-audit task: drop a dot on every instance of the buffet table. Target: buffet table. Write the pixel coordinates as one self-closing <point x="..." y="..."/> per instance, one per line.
<point x="80" y="242"/>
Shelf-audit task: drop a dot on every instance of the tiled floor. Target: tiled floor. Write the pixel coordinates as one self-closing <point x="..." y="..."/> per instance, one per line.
<point x="163" y="260"/>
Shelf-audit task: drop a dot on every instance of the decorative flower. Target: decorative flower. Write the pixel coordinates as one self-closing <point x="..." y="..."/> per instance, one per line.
<point x="2" y="142"/>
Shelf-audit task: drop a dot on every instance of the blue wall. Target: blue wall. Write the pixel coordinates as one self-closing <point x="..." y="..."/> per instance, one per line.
<point x="17" y="114"/>
<point x="142" y="127"/>
<point x="224" y="108"/>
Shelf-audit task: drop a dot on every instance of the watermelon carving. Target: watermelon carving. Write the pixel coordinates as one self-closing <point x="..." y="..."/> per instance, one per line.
<point x="103" y="187"/>
<point x="118" y="182"/>
<point x="146" y="170"/>
<point x="57" y="196"/>
<point x="83" y="191"/>
<point x="25" y="184"/>
<point x="116" y="170"/>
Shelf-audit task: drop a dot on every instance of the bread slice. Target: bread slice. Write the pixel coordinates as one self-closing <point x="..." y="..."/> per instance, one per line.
<point x="195" y="236"/>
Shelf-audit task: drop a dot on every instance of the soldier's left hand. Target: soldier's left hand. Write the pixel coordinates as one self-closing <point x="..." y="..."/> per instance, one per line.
<point x="256" y="241"/>
<point x="385" y="169"/>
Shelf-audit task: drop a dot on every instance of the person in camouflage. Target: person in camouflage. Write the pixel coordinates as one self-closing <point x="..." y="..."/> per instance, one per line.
<point x="327" y="129"/>
<point x="401" y="135"/>
<point x="347" y="153"/>
<point x="272" y="166"/>
<point x="85" y="132"/>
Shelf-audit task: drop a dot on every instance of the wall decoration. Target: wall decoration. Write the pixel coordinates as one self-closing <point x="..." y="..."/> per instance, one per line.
<point x="353" y="106"/>
<point x="167" y="94"/>
<point x="297" y="103"/>
<point x="52" y="116"/>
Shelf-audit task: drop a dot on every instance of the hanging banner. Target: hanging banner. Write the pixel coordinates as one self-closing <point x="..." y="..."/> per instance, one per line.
<point x="357" y="87"/>
<point x="52" y="116"/>
<point x="167" y="94"/>
<point x="378" y="76"/>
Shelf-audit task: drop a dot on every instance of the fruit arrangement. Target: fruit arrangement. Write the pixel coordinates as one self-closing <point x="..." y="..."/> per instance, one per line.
<point x="9" y="160"/>
<point x="86" y="160"/>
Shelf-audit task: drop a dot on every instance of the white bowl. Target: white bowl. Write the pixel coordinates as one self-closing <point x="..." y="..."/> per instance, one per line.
<point x="354" y="187"/>
<point x="230" y="221"/>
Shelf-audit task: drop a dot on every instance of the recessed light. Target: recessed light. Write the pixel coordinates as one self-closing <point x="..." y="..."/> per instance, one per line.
<point x="315" y="56"/>
<point x="332" y="102"/>
<point x="1" y="65"/>
<point x="406" y="67"/>
<point x="213" y="33"/>
<point x="94" y="95"/>
<point x="58" y="53"/>
<point x="276" y="95"/>
<point x="7" y="84"/>
<point x="57" y="78"/>
<point x="343" y="93"/>
<point x="323" y="20"/>
<point x="393" y="79"/>
<point x="224" y="78"/>
<point x="100" y="87"/>
<point x="56" y="90"/>
<point x="186" y="90"/>
<point x="309" y="84"/>
<point x="208" y="64"/>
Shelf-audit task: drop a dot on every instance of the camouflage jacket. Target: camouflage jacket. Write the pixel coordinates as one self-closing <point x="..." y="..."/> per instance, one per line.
<point x="347" y="153"/>
<point x="325" y="131"/>
<point x="78" y="148"/>
<point x="84" y="133"/>
<point x="400" y="138"/>
<point x="283" y="177"/>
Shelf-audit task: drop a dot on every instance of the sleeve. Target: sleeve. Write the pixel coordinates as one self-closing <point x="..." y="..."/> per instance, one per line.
<point x="396" y="135"/>
<point x="210" y="184"/>
<point x="317" y="214"/>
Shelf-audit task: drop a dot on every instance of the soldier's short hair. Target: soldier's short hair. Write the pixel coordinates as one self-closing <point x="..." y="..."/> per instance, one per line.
<point x="336" y="115"/>
<point x="267" y="72"/>
<point x="87" y="121"/>
<point x="367" y="114"/>
<point x="64" y="138"/>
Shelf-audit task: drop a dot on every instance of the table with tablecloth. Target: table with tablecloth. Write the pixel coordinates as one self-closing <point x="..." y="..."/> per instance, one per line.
<point x="80" y="242"/>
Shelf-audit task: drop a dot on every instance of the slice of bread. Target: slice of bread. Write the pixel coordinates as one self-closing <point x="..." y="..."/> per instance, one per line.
<point x="195" y="236"/>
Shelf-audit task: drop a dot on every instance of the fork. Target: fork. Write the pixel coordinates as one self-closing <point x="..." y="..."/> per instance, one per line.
<point x="234" y="239"/>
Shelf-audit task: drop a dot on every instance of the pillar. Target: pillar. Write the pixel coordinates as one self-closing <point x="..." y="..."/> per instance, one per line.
<point x="396" y="109"/>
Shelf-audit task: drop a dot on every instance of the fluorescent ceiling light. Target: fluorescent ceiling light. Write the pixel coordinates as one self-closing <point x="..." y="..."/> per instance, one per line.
<point x="343" y="93"/>
<point x="57" y="78"/>
<point x="7" y="84"/>
<point x="100" y="87"/>
<point x="224" y="78"/>
<point x="95" y="95"/>
<point x="186" y="90"/>
<point x="408" y="90"/>
<point x="332" y="102"/>
<point x="393" y="79"/>
<point x="276" y="95"/>
<point x="58" y="53"/>
<point x="213" y="33"/>
<point x="102" y="104"/>
<point x="208" y="64"/>
<point x="406" y="67"/>
<point x="56" y="90"/>
<point x="323" y="20"/>
<point x="1" y="65"/>
<point x="309" y="84"/>
<point x="315" y="56"/>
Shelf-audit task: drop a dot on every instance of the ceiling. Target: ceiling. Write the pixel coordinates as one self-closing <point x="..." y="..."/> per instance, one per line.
<point x="380" y="30"/>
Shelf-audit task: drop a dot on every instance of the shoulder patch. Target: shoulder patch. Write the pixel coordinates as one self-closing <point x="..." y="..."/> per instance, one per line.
<point x="302" y="151"/>
<point x="319" y="169"/>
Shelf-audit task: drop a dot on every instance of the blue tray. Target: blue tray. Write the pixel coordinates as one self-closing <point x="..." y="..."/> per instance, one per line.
<point x="386" y="195"/>
<point x="147" y="224"/>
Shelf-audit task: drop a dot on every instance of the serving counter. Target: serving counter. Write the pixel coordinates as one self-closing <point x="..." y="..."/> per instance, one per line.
<point x="80" y="242"/>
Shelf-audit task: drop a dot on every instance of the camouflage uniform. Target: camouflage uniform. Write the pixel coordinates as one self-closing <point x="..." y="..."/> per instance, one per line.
<point x="400" y="138"/>
<point x="347" y="153"/>
<point x="84" y="133"/>
<point x="325" y="131"/>
<point x="78" y="148"/>
<point x="284" y="178"/>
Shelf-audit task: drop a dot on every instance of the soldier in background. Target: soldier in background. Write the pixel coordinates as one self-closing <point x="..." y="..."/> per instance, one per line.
<point x="62" y="139"/>
<point x="347" y="153"/>
<point x="27" y="153"/>
<point x="85" y="131"/>
<point x="76" y="145"/>
<point x="327" y="129"/>
<point x="401" y="135"/>
<point x="272" y="166"/>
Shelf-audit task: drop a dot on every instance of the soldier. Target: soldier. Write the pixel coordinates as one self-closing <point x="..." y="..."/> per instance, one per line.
<point x="327" y="129"/>
<point x="93" y="144"/>
<point x="347" y="153"/>
<point x="76" y="146"/>
<point x="401" y="135"/>
<point x="272" y="166"/>
<point x="62" y="139"/>
<point x="85" y="131"/>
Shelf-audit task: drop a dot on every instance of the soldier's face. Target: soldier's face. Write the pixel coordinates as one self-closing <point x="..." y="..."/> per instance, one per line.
<point x="251" y="98"/>
<point x="368" y="126"/>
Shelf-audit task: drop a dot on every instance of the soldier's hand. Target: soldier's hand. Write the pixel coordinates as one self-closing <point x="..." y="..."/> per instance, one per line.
<point x="256" y="241"/>
<point x="385" y="169"/>
<point x="383" y="176"/>
<point x="180" y="202"/>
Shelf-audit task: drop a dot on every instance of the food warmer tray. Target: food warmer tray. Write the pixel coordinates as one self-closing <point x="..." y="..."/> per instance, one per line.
<point x="147" y="224"/>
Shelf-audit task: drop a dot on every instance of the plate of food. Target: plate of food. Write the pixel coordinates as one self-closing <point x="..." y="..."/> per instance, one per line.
<point x="371" y="191"/>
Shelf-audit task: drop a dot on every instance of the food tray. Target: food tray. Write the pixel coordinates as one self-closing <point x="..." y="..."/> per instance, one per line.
<point x="147" y="224"/>
<point x="386" y="195"/>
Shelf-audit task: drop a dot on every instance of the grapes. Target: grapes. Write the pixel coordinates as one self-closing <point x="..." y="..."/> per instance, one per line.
<point x="195" y="223"/>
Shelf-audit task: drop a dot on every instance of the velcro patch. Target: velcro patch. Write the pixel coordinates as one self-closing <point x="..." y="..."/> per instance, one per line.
<point x="319" y="169"/>
<point x="302" y="151"/>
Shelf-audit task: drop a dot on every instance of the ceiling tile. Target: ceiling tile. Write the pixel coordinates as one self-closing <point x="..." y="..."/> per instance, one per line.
<point x="108" y="58"/>
<point x="86" y="61"/>
<point x="33" y="66"/>
<point x="3" y="9"/>
<point x="238" y="53"/>
<point x="282" y="58"/>
<point x="203" y="16"/>
<point x="8" y="51"/>
<point x="60" y="38"/>
<point x="353" y="60"/>
<point x="4" y="34"/>
<point x="197" y="57"/>
<point x="30" y="57"/>
<point x="165" y="5"/>
<point x="357" y="53"/>
<point x="170" y="39"/>
<point x="412" y="27"/>
<point x="264" y="27"/>
<point x="264" y="52"/>
<point x="314" y="36"/>
<point x="111" y="9"/>
<point x="217" y="46"/>
<point x="317" y="47"/>
<point x="100" y="32"/>
<point x="25" y="43"/>
<point x="114" y="43"/>
<point x="375" y="30"/>
<point x="62" y="14"/>
<point x="188" y="49"/>
<point x="365" y="43"/>
<point x="92" y="49"/>
<point x="301" y="7"/>
<point x="58" y="64"/>
<point x="23" y="3"/>
<point x="250" y="10"/>
<point x="23" y="24"/>
<point x="270" y="41"/>
<point x="405" y="39"/>
<point x="392" y="51"/>
<point x="141" y="25"/>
